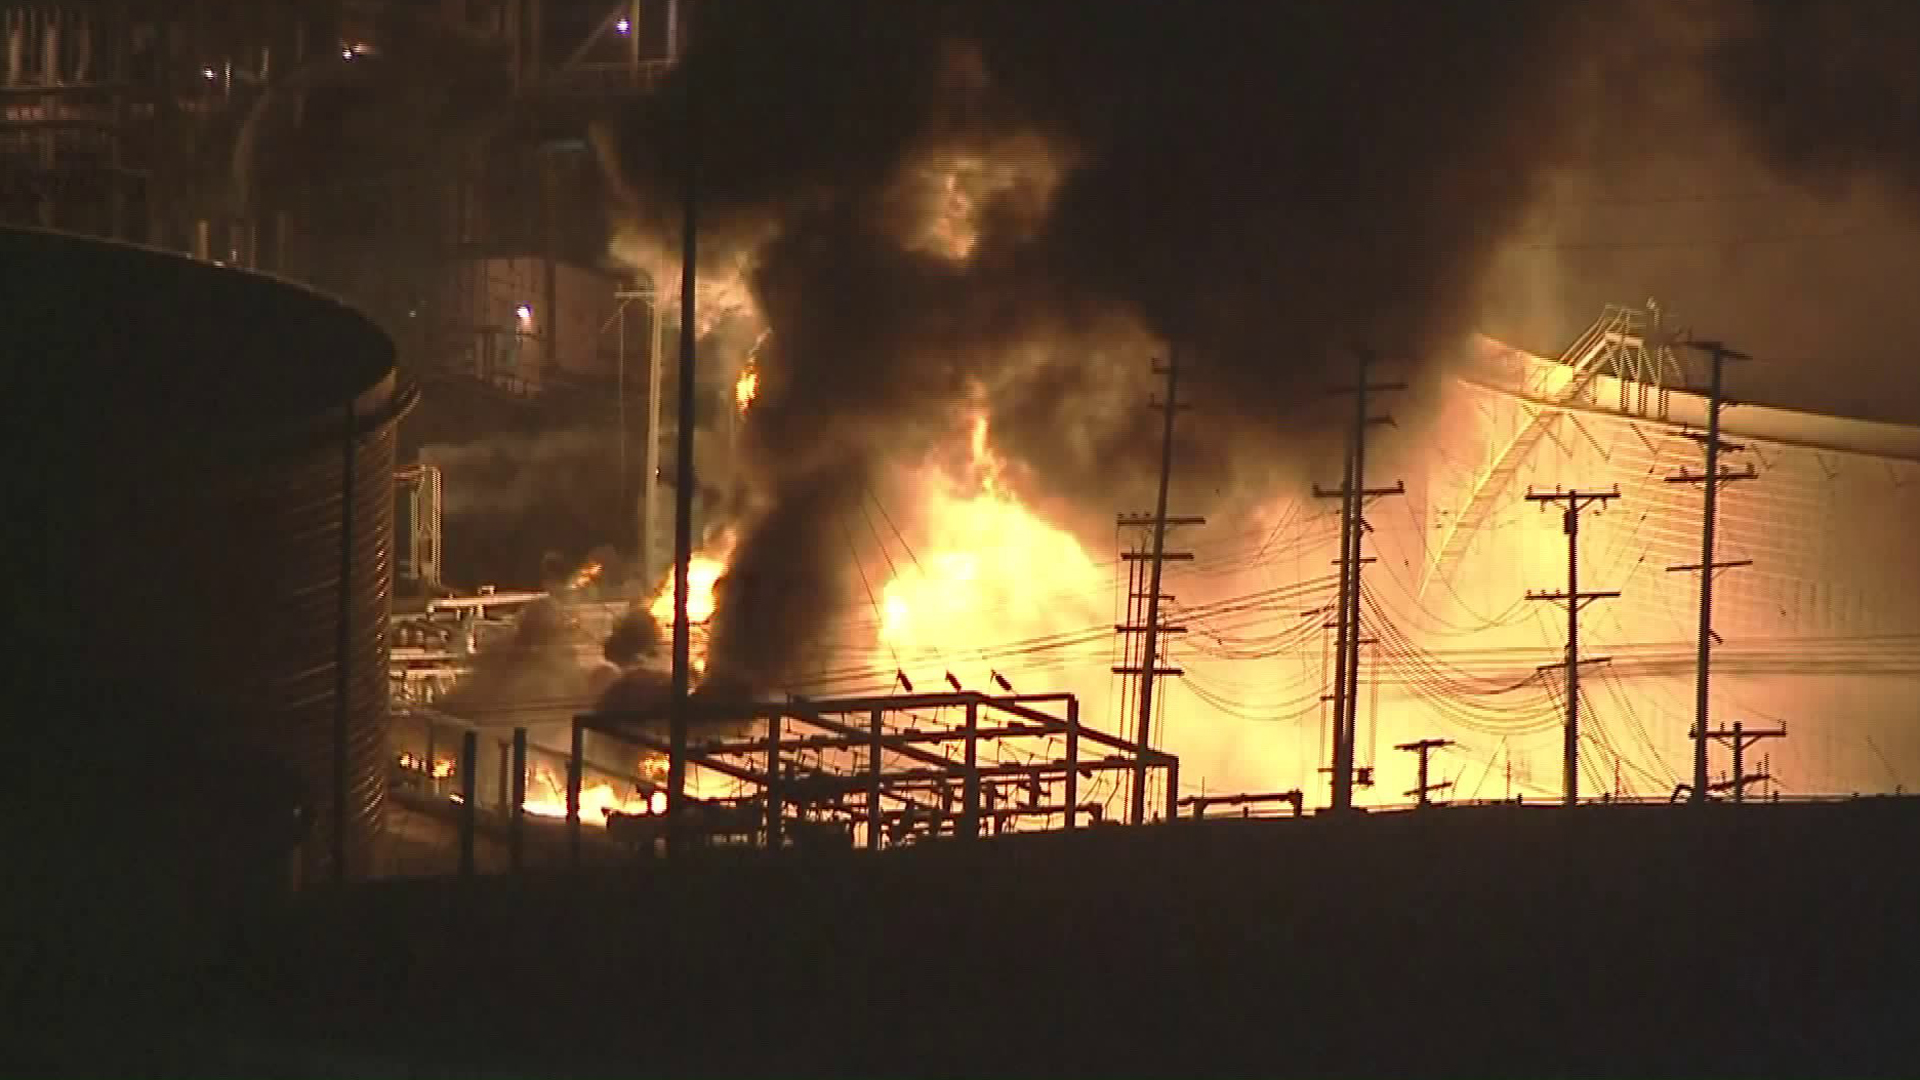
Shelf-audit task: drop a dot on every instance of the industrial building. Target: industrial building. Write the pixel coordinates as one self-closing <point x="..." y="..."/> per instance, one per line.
<point x="426" y="160"/>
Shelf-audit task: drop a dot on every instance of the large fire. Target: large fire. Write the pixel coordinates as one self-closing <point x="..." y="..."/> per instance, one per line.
<point x="704" y="572"/>
<point x="988" y="571"/>
<point x="596" y="801"/>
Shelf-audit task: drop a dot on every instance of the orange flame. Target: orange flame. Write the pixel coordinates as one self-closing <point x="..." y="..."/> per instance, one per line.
<point x="746" y="386"/>
<point x="596" y="800"/>
<point x="704" y="572"/>
<point x="992" y="571"/>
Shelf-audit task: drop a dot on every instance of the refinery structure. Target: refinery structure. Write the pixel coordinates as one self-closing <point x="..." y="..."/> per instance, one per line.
<point x="1057" y="687"/>
<point x="456" y="622"/>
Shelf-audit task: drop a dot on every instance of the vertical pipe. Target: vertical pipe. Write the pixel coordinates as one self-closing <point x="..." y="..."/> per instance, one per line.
<point x="502" y="789"/>
<point x="1150" y="660"/>
<point x="620" y="395"/>
<point x="343" y="660"/>
<point x="683" y="473"/>
<point x="970" y="805"/>
<point x="774" y="796"/>
<point x="651" y="482"/>
<point x="469" y="795"/>
<point x="1073" y="762"/>
<point x="517" y="816"/>
<point x="576" y="752"/>
<point x="1173" y="791"/>
<point x="1571" y="751"/>
<point x="433" y="782"/>
<point x="633" y="40"/>
<point x="1700" y="695"/>
<point x="873" y="780"/>
<point x="1421" y="784"/>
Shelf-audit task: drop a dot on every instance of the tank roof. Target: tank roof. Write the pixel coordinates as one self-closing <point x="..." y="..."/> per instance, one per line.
<point x="146" y="341"/>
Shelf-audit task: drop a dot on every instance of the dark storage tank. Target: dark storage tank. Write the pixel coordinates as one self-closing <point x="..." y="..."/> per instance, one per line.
<point x="188" y="446"/>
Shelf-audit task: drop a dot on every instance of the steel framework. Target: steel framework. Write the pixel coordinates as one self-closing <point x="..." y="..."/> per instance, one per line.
<point x="884" y="771"/>
<point x="1629" y="344"/>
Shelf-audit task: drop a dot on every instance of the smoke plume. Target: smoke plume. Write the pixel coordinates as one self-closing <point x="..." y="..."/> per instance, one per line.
<point x="535" y="669"/>
<point x="1018" y="204"/>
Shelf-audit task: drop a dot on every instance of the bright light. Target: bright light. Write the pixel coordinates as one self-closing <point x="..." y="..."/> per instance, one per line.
<point x="208" y="72"/>
<point x="991" y="570"/>
<point x="658" y="803"/>
<point x="746" y="386"/>
<point x="622" y="26"/>
<point x="346" y="54"/>
<point x="704" y="572"/>
<point x="524" y="313"/>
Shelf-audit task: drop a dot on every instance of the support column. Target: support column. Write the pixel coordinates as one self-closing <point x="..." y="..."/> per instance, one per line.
<point x="970" y="806"/>
<point x="1073" y="763"/>
<point x="873" y="780"/>
<point x="773" y="793"/>
<point x="469" y="796"/>
<point x="576" y="754"/>
<point x="517" y="813"/>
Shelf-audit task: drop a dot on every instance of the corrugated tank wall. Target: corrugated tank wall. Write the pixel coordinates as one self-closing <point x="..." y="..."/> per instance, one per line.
<point x="202" y="528"/>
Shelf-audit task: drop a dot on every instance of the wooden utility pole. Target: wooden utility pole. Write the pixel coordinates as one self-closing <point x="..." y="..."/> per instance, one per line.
<point x="1575" y="600"/>
<point x="1353" y="494"/>
<point x="1738" y="738"/>
<point x="1711" y="478"/>
<point x="1422" y="789"/>
<point x="1156" y="556"/>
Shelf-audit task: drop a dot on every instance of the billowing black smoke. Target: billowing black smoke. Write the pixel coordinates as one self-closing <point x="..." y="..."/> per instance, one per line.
<point x="1264" y="185"/>
<point x="1825" y="92"/>
<point x="535" y="669"/>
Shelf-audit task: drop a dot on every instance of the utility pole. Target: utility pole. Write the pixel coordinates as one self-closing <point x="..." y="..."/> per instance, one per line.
<point x="1712" y="478"/>
<point x="1425" y="748"/>
<point x="683" y="477"/>
<point x="1353" y="494"/>
<point x="1575" y="600"/>
<point x="1156" y="557"/>
<point x="1738" y="738"/>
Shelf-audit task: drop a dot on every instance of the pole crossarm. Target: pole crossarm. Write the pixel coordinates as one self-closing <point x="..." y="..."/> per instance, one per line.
<point x="1721" y="477"/>
<point x="1738" y="738"/>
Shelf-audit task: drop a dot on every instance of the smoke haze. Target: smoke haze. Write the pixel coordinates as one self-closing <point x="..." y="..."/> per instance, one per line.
<point x="1017" y="205"/>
